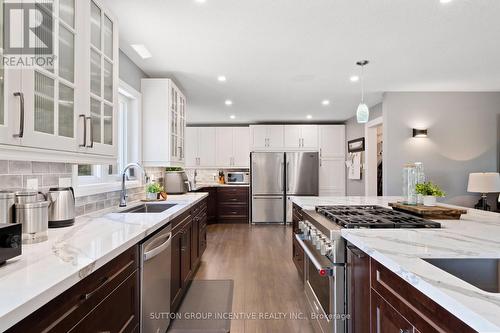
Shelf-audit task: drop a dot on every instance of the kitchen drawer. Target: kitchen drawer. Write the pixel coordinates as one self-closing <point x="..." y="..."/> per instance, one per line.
<point x="68" y="309"/>
<point x="418" y="309"/>
<point x="232" y="195"/>
<point x="106" y="318"/>
<point x="226" y="211"/>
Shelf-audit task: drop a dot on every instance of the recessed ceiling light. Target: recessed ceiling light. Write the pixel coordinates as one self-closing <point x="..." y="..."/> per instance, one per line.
<point x="228" y="102"/>
<point x="445" y="1"/>
<point x="221" y="78"/>
<point x="232" y="116"/>
<point x="201" y="1"/>
<point x="309" y="116"/>
<point x="142" y="51"/>
<point x="325" y="102"/>
<point x="354" y="78"/>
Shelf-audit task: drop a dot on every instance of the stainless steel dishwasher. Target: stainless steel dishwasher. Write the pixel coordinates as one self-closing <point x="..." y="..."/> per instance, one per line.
<point x="156" y="256"/>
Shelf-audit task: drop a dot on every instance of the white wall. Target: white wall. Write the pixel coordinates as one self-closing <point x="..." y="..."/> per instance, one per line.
<point x="356" y="131"/>
<point x="463" y="138"/>
<point x="130" y="72"/>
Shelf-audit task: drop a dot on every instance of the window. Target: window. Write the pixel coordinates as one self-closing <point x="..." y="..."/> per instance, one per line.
<point x="91" y="178"/>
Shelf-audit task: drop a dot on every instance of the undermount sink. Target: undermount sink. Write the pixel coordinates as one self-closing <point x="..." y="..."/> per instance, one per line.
<point x="481" y="273"/>
<point x="149" y="208"/>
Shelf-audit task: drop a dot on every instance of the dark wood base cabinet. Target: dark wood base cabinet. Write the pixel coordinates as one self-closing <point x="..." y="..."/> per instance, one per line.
<point x="105" y="301"/>
<point x="382" y="302"/>
<point x="189" y="241"/>
<point x="227" y="204"/>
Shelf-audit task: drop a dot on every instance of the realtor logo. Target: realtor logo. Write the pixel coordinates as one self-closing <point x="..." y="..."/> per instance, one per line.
<point x="28" y="28"/>
<point x="28" y="35"/>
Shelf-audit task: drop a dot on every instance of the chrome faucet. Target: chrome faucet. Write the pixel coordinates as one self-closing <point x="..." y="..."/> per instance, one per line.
<point x="123" y="195"/>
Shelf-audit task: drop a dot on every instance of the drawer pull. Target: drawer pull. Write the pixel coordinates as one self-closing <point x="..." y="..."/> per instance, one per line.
<point x="102" y="283"/>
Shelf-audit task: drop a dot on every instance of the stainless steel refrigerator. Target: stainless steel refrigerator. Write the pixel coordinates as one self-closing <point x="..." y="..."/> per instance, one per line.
<point x="276" y="178"/>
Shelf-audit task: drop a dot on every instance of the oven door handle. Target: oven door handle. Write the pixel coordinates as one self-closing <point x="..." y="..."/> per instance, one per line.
<point x="324" y="266"/>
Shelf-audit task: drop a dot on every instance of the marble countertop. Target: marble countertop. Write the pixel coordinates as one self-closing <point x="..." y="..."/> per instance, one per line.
<point x="476" y="235"/>
<point x="47" y="269"/>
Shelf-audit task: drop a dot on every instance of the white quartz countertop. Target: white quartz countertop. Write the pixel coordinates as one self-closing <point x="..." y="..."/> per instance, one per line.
<point x="476" y="235"/>
<point x="47" y="269"/>
<point x="204" y="185"/>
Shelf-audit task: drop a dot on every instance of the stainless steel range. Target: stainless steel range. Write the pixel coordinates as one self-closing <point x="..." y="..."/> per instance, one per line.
<point x="325" y="249"/>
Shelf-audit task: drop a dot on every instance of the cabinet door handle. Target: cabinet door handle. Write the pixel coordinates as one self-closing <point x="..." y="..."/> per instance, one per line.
<point x="321" y="152"/>
<point x="102" y="283"/>
<point x="21" y="116"/>
<point x="84" y="131"/>
<point x="91" y="133"/>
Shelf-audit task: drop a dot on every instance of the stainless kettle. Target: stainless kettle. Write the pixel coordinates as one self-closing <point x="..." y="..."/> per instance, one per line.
<point x="62" y="207"/>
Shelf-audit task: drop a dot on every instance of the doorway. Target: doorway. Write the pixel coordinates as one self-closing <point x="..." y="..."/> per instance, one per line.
<point x="374" y="132"/>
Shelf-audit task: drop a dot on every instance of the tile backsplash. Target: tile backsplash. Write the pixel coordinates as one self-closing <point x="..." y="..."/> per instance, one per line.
<point x="17" y="175"/>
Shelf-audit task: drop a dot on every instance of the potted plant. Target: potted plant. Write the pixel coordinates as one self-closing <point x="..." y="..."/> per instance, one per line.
<point x="153" y="190"/>
<point x="430" y="192"/>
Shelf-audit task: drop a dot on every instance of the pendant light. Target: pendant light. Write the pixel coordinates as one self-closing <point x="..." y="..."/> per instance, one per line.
<point x="363" y="112"/>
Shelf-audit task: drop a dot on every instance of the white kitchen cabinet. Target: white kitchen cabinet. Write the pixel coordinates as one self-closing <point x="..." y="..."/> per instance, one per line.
<point x="164" y="123"/>
<point x="61" y="111"/>
<point x="200" y="147"/>
<point x="267" y="137"/>
<point x="301" y="137"/>
<point x="233" y="147"/>
<point x="332" y="142"/>
<point x="332" y="177"/>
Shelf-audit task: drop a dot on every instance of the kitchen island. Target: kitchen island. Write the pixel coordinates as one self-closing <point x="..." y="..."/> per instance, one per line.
<point x="403" y="252"/>
<point x="46" y="270"/>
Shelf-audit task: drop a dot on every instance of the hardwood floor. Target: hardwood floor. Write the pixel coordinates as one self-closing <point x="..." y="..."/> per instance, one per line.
<point x="259" y="260"/>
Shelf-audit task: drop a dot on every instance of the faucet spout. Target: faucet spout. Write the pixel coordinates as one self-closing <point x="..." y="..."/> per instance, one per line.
<point x="123" y="195"/>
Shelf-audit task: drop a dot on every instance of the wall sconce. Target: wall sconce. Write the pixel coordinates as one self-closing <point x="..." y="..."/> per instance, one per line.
<point x="419" y="133"/>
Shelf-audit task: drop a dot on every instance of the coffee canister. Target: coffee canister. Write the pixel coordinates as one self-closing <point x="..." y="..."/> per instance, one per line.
<point x="7" y="206"/>
<point x="34" y="217"/>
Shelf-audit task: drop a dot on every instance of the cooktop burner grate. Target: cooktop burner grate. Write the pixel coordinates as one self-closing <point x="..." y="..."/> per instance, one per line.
<point x="373" y="217"/>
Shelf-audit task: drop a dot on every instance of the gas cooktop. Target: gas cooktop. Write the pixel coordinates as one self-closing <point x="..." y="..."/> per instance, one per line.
<point x="372" y="217"/>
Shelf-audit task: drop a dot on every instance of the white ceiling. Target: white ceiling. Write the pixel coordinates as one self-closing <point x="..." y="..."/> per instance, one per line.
<point x="283" y="57"/>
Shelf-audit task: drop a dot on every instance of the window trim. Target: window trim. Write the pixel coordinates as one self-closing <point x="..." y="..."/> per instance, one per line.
<point x="112" y="183"/>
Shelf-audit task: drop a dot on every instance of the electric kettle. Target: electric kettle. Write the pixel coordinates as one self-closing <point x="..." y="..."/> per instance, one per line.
<point x="62" y="207"/>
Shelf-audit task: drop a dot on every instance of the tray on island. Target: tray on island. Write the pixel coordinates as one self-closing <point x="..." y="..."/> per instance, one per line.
<point x="427" y="212"/>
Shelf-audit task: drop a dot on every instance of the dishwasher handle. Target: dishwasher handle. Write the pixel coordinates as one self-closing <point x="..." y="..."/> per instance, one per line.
<point x="159" y="249"/>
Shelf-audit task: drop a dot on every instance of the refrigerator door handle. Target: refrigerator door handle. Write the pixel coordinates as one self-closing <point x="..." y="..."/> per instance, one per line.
<point x="281" y="176"/>
<point x="287" y="177"/>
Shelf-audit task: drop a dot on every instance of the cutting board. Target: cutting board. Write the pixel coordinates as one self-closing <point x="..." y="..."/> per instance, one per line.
<point x="431" y="213"/>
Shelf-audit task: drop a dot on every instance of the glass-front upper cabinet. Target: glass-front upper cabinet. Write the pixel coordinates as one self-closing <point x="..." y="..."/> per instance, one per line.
<point x="103" y="77"/>
<point x="49" y="87"/>
<point x="177" y="123"/>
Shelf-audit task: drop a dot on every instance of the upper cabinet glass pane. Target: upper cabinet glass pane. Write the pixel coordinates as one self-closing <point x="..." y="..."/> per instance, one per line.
<point x="66" y="54"/>
<point x="95" y="72"/>
<point x="108" y="81"/>
<point x="66" y="111"/>
<point x="95" y="22"/>
<point x="95" y="113"/>
<point x="108" y="124"/>
<point x="44" y="104"/>
<point x="108" y="37"/>
<point x="67" y="12"/>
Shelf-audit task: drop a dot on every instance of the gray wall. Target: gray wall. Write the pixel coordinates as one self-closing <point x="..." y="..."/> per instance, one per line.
<point x="463" y="138"/>
<point x="355" y="131"/>
<point x="130" y="72"/>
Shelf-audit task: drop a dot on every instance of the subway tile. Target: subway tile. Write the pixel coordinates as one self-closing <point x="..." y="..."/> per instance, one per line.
<point x="69" y="168"/>
<point x="97" y="197"/>
<point x="114" y="194"/>
<point x="57" y="167"/>
<point x="11" y="182"/>
<point x="100" y="205"/>
<point x="4" y="167"/>
<point x="50" y="180"/>
<point x="81" y="201"/>
<point x="90" y="207"/>
<point x="80" y="210"/>
<point x="40" y="167"/>
<point x="20" y="168"/>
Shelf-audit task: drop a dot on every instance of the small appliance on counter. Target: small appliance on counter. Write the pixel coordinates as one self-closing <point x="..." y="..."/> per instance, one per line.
<point x="176" y="182"/>
<point x="26" y="196"/>
<point x="7" y="206"/>
<point x="34" y="218"/>
<point x="10" y="241"/>
<point x="62" y="207"/>
<point x="237" y="178"/>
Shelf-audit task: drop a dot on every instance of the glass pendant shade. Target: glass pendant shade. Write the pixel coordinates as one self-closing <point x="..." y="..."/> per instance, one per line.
<point x="363" y="113"/>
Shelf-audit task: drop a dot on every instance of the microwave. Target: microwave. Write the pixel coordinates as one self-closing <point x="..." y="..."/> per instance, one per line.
<point x="238" y="178"/>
